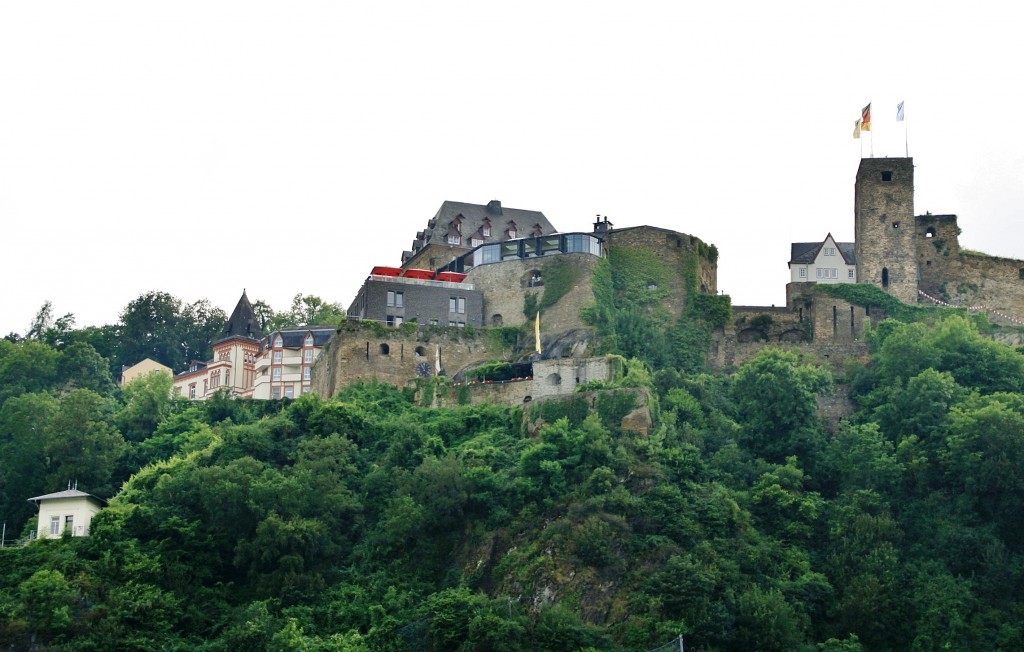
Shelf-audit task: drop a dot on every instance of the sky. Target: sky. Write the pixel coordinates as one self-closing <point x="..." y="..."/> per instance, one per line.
<point x="203" y="148"/>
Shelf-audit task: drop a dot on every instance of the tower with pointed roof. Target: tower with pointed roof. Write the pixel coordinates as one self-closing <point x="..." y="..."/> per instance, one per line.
<point x="235" y="351"/>
<point x="233" y="367"/>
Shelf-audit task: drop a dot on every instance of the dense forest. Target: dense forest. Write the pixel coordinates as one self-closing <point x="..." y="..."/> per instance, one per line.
<point x="368" y="521"/>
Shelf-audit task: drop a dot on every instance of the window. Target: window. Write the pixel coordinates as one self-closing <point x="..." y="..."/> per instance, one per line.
<point x="307" y="356"/>
<point x="192" y="391"/>
<point x="306" y="373"/>
<point x="457" y="305"/>
<point x="390" y="320"/>
<point x="819" y="272"/>
<point x="69" y="523"/>
<point x="305" y="390"/>
<point x="54" y="525"/>
<point x="277" y="373"/>
<point x="486" y="229"/>
<point x="398" y="320"/>
<point x="278" y="356"/>
<point x="454" y="239"/>
<point x="309" y="340"/>
<point x="278" y="341"/>
<point x="887" y="175"/>
<point x="434" y="322"/>
<point x="395" y="300"/>
<point x="511" y="233"/>
<point x="462" y="324"/>
<point x="289" y="392"/>
<point x="849" y="273"/>
<point x="830" y="251"/>
<point x="275" y="393"/>
<point x="803" y="272"/>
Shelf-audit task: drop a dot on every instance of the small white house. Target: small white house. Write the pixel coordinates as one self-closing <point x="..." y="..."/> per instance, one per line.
<point x="823" y="262"/>
<point x="70" y="510"/>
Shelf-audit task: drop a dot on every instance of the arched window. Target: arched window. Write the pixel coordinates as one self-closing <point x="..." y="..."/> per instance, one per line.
<point x="385" y="349"/>
<point x="930" y="233"/>
<point x="309" y="339"/>
<point x="278" y="342"/>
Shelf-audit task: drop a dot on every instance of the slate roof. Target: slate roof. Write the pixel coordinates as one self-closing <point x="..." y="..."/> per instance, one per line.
<point x="295" y="337"/>
<point x="805" y="253"/>
<point x="70" y="493"/>
<point x="471" y="217"/>
<point x="242" y="323"/>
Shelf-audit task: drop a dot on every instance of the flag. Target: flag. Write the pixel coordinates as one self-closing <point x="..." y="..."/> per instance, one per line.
<point x="437" y="360"/>
<point x="536" y="331"/>
<point x="856" y="129"/>
<point x="899" y="112"/>
<point x="865" y="118"/>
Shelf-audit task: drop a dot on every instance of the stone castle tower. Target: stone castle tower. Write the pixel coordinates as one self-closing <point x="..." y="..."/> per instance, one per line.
<point x="886" y="246"/>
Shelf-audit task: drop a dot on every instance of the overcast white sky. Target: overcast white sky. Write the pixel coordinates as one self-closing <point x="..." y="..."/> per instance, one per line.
<point x="200" y="148"/>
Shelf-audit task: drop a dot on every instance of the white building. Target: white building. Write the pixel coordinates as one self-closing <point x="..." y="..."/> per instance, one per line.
<point x="70" y="511"/>
<point x="284" y="364"/>
<point x="823" y="262"/>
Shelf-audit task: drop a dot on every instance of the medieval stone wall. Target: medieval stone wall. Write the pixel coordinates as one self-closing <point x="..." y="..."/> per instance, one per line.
<point x="506" y="284"/>
<point x="551" y="379"/>
<point x="671" y="247"/>
<point x="397" y="356"/>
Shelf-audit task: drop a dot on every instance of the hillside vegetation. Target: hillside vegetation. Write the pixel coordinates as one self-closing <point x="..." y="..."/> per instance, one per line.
<point x="366" y="522"/>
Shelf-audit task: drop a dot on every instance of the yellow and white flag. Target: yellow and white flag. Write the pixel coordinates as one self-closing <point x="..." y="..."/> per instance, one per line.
<point x="856" y="129"/>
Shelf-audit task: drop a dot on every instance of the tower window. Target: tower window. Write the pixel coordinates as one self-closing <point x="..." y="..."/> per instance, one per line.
<point x="885" y="277"/>
<point x="930" y="233"/>
<point x="886" y="175"/>
<point x="895" y="225"/>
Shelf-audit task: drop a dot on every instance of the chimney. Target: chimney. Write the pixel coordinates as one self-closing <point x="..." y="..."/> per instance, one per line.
<point x="494" y="207"/>
<point x="602" y="226"/>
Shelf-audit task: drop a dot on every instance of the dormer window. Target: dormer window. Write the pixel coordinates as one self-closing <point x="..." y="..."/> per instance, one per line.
<point x="278" y="342"/>
<point x="485" y="229"/>
<point x="454" y="239"/>
<point x="309" y="340"/>
<point x="537" y="230"/>
<point x="475" y="242"/>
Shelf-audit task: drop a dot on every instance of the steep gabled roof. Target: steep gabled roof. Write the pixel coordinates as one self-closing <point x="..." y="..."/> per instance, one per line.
<point x="805" y="253"/>
<point x="243" y="322"/>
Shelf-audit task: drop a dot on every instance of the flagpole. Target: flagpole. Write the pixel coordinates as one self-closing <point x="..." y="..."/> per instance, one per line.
<point x="906" y="137"/>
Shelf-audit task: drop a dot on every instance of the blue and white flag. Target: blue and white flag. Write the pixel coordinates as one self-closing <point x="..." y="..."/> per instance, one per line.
<point x="899" y="112"/>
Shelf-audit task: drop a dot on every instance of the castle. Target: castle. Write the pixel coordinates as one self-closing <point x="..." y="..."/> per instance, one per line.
<point x="476" y="276"/>
<point x="474" y="266"/>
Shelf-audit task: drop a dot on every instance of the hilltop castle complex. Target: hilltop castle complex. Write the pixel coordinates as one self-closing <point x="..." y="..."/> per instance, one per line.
<point x="466" y="294"/>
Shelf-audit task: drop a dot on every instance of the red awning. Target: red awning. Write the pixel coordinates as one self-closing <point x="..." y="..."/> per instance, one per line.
<point x="385" y="271"/>
<point x="418" y="273"/>
<point x="451" y="277"/>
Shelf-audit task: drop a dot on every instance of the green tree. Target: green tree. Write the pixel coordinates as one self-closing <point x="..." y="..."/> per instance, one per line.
<point x="82" y="445"/>
<point x="776" y="398"/>
<point x="47" y="601"/>
<point x="158" y="325"/>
